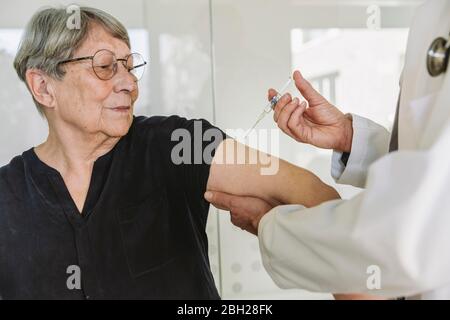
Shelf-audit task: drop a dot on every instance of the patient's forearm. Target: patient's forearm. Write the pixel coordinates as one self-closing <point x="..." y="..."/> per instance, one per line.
<point x="288" y="184"/>
<point x="296" y="185"/>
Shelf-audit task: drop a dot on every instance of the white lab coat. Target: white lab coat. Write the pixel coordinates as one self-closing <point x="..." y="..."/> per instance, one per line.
<point x="400" y="223"/>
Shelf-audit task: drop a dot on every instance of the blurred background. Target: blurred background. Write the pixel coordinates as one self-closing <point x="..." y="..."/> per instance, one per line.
<point x="215" y="59"/>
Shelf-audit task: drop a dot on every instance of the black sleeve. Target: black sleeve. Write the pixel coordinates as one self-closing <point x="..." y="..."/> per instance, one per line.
<point x="205" y="138"/>
<point x="344" y="158"/>
<point x="192" y="145"/>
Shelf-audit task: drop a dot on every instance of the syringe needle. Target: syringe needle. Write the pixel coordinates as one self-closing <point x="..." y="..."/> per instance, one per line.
<point x="258" y="120"/>
<point x="270" y="105"/>
<point x="285" y="86"/>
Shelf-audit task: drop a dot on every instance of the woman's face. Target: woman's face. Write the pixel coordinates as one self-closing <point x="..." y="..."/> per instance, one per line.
<point x="90" y="104"/>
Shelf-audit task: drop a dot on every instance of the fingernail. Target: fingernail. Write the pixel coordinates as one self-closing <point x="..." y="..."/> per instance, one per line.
<point x="208" y="195"/>
<point x="274" y="101"/>
<point x="303" y="104"/>
<point x="296" y="100"/>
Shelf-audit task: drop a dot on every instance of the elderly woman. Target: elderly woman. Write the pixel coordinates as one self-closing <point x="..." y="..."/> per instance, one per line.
<point x="102" y="208"/>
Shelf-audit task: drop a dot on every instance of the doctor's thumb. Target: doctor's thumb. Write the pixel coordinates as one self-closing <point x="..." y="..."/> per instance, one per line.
<point x="306" y="89"/>
<point x="219" y="199"/>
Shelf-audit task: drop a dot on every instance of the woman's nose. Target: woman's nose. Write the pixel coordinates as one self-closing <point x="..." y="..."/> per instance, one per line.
<point x="124" y="79"/>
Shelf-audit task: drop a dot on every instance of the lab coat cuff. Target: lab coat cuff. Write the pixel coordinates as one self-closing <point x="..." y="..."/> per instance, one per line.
<point x="355" y="172"/>
<point x="337" y="166"/>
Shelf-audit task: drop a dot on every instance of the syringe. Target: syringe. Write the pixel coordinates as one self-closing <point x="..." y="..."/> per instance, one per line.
<point x="269" y="107"/>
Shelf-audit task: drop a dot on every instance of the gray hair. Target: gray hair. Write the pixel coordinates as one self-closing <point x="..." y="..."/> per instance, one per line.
<point x="48" y="40"/>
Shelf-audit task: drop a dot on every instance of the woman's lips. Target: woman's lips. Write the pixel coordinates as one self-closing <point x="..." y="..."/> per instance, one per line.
<point x="121" y="109"/>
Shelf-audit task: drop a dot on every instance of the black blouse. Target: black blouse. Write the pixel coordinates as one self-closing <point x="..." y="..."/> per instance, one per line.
<point x="141" y="233"/>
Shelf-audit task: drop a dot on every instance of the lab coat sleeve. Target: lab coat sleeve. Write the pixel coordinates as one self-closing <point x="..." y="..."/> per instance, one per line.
<point x="399" y="224"/>
<point x="370" y="142"/>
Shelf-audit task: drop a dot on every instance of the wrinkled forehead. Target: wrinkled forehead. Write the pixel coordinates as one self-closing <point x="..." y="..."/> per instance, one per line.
<point x="99" y="38"/>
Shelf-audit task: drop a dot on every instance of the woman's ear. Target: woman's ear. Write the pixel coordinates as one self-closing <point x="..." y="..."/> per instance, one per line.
<point x="41" y="87"/>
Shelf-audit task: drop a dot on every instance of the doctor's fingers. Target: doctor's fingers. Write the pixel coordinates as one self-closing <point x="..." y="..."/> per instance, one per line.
<point x="284" y="100"/>
<point x="296" y="121"/>
<point x="271" y="93"/>
<point x="237" y="220"/>
<point x="285" y="115"/>
<point x="307" y="90"/>
<point x="242" y="221"/>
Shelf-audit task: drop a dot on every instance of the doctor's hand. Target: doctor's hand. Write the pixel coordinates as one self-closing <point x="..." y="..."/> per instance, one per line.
<point x="320" y="123"/>
<point x="245" y="212"/>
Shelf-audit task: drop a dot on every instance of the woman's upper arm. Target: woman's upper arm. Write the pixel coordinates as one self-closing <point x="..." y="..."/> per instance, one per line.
<point x="240" y="170"/>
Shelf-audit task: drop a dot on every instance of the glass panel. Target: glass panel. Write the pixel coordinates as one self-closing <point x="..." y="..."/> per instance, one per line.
<point x="21" y="126"/>
<point x="16" y="105"/>
<point x="257" y="45"/>
<point x="173" y="37"/>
